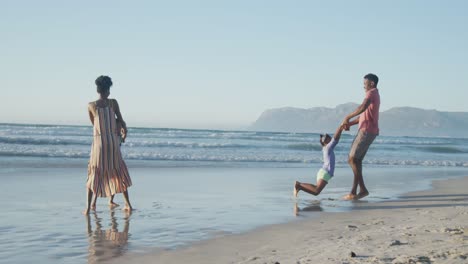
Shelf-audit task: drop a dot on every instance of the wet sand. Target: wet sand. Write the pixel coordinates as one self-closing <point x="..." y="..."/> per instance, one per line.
<point x="422" y="227"/>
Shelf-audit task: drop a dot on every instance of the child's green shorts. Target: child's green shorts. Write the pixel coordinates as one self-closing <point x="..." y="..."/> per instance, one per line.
<point x="323" y="175"/>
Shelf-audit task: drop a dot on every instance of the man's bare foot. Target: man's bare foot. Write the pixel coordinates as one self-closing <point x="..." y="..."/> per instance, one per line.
<point x="86" y="212"/>
<point x="296" y="190"/>
<point x="362" y="195"/>
<point x="349" y="197"/>
<point x="112" y="204"/>
<point x="93" y="207"/>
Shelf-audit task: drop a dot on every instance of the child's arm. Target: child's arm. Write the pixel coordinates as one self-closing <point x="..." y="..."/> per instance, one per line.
<point x="337" y="134"/>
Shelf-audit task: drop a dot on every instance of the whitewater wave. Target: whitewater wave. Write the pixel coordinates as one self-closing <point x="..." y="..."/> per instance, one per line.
<point x="152" y="156"/>
<point x="44" y="141"/>
<point x="133" y="143"/>
<point x="185" y="145"/>
<point x="305" y="146"/>
<point x="441" y="149"/>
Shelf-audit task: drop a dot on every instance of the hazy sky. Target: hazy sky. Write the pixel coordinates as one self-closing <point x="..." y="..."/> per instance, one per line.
<point x="219" y="64"/>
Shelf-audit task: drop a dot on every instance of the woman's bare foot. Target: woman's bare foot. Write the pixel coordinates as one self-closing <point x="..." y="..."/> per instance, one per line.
<point x="86" y="212"/>
<point x="296" y="189"/>
<point x="127" y="208"/>
<point x="93" y="207"/>
<point x="113" y="204"/>
<point x="349" y="197"/>
<point x="362" y="195"/>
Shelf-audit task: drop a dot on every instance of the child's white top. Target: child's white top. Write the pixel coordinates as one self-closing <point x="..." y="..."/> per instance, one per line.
<point x="329" y="156"/>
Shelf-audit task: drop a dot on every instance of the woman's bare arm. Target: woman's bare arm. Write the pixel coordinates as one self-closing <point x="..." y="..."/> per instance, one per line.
<point x="120" y="118"/>
<point x="119" y="114"/>
<point x="91" y="113"/>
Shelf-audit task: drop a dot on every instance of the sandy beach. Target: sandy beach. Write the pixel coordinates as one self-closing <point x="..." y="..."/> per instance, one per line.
<point x="422" y="227"/>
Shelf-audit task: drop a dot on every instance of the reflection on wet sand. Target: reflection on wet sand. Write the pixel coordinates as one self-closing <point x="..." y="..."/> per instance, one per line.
<point x="107" y="244"/>
<point x="313" y="207"/>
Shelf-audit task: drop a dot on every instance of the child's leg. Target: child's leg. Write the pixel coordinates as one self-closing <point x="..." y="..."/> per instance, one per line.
<point x="310" y="188"/>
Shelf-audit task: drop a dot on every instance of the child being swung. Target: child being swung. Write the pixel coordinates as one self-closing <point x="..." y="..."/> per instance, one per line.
<point x="326" y="172"/>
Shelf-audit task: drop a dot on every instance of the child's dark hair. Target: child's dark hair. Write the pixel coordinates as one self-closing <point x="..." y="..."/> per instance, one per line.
<point x="103" y="83"/>
<point x="373" y="78"/>
<point x="324" y="137"/>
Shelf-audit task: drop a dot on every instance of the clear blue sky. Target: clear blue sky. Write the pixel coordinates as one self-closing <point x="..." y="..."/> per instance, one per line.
<point x="219" y="64"/>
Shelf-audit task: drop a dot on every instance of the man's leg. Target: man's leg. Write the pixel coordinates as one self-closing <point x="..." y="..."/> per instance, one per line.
<point x="356" y="166"/>
<point x="358" y="150"/>
<point x="363" y="192"/>
<point x="351" y="161"/>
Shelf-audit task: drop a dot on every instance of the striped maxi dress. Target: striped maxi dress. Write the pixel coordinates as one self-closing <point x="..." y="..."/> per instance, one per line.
<point x="107" y="172"/>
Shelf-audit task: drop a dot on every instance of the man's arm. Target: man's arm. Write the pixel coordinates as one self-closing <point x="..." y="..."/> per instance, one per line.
<point x="365" y="104"/>
<point x="353" y="122"/>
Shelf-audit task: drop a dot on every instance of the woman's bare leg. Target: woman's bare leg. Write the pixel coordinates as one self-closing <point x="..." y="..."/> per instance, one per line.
<point x="128" y="206"/>
<point x="111" y="201"/>
<point x="93" y="204"/>
<point x="88" y="201"/>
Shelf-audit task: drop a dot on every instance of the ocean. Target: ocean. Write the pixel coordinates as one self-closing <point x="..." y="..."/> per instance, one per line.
<point x="189" y="185"/>
<point x="186" y="147"/>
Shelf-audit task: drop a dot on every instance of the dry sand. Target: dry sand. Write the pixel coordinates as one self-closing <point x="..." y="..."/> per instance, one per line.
<point x="422" y="227"/>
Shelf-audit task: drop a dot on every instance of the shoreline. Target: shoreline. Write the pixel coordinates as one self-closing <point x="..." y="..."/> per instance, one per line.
<point x="428" y="226"/>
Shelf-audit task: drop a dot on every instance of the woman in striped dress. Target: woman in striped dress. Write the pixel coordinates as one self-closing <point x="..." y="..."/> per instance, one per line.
<point x="107" y="172"/>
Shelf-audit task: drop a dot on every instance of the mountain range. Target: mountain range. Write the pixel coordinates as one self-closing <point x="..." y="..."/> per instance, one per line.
<point x="397" y="121"/>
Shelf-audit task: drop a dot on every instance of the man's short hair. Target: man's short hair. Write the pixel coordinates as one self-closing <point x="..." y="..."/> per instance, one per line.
<point x="372" y="77"/>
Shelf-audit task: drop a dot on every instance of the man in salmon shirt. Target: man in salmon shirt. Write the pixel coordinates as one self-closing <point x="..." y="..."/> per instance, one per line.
<point x="368" y="121"/>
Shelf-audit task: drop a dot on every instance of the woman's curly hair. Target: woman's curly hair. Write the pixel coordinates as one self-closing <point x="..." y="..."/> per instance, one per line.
<point x="103" y="83"/>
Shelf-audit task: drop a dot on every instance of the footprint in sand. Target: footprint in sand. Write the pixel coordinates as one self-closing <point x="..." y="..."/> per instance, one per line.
<point x="253" y="258"/>
<point x="427" y="212"/>
<point x="406" y="259"/>
<point x="398" y="243"/>
<point x="365" y="238"/>
<point x="453" y="231"/>
<point x="452" y="254"/>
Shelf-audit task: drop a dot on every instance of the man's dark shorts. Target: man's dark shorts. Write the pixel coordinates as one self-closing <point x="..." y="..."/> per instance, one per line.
<point x="361" y="144"/>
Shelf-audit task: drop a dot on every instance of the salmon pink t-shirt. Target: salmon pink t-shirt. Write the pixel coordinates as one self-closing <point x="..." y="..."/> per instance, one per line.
<point x="369" y="119"/>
